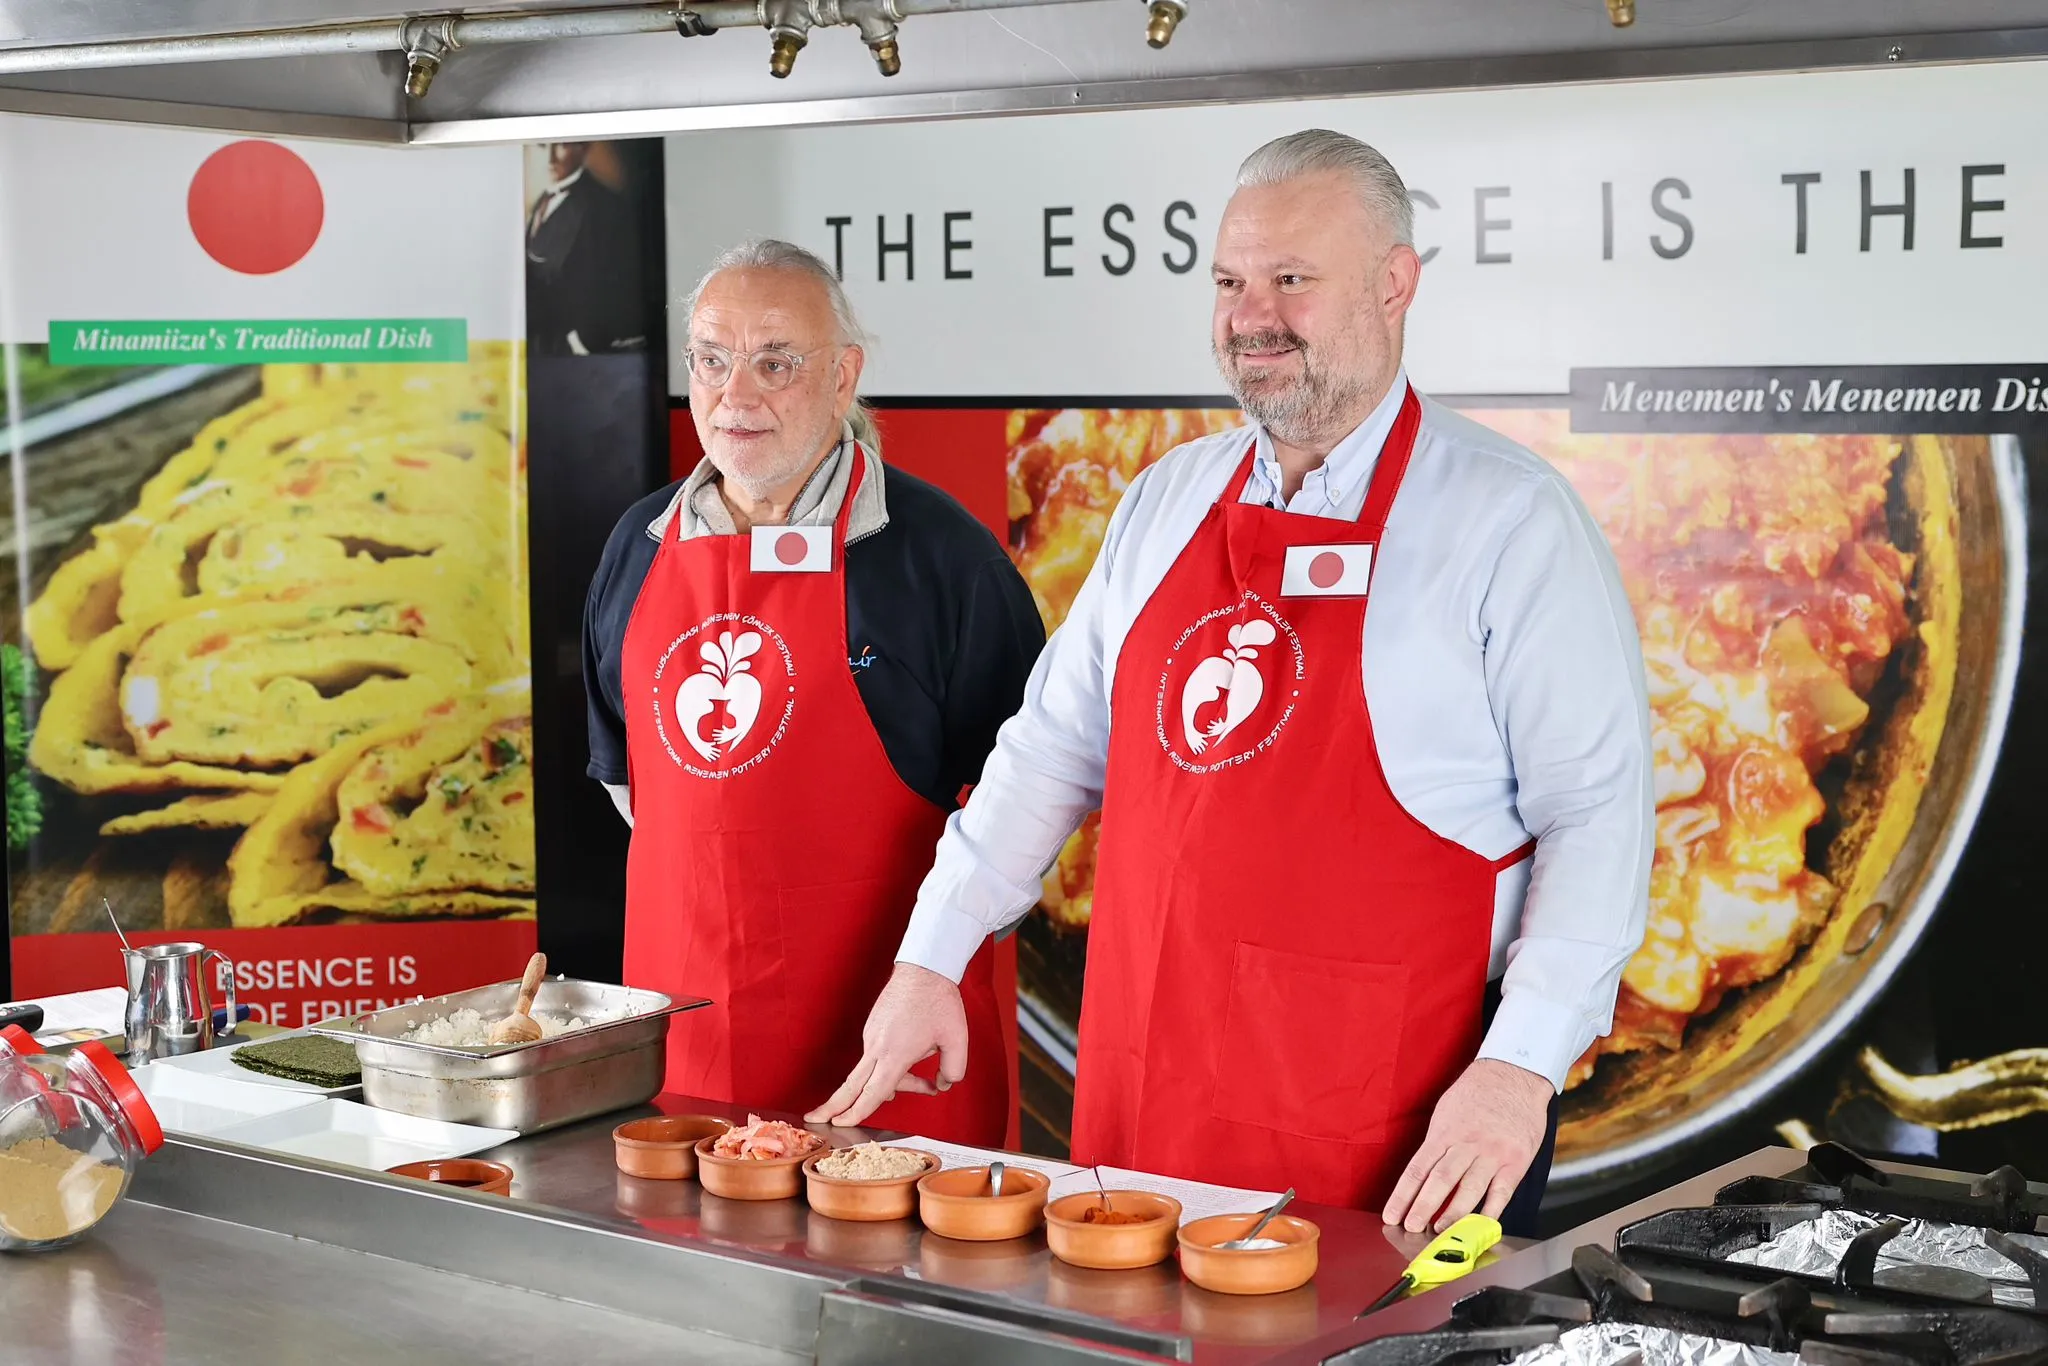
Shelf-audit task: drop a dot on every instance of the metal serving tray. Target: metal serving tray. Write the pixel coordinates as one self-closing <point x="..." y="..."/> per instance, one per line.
<point x="528" y="1086"/>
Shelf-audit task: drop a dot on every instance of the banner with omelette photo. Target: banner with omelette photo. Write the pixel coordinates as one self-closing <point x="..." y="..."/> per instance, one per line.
<point x="1828" y="631"/>
<point x="267" y="665"/>
<point x="1760" y="347"/>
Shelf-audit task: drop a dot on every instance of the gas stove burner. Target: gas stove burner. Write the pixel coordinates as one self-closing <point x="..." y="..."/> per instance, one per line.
<point x="1835" y="1177"/>
<point x="1624" y="1344"/>
<point x="1936" y="1282"/>
<point x="1637" y="1305"/>
<point x="1915" y="1238"/>
<point x="1838" y="1264"/>
<point x="1838" y="1249"/>
<point x="1971" y="1336"/>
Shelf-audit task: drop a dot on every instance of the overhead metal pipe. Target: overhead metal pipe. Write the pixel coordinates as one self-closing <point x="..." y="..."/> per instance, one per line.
<point x="453" y="31"/>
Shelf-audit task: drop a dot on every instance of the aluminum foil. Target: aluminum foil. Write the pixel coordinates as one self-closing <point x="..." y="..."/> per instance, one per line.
<point x="1608" y="1344"/>
<point x="1815" y="1248"/>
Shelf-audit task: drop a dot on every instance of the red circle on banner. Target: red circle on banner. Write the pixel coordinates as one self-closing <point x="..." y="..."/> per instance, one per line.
<point x="255" y="207"/>
<point x="791" y="547"/>
<point x="1325" y="569"/>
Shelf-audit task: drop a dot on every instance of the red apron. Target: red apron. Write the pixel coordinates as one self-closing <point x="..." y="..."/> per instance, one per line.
<point x="1285" y="968"/>
<point x="776" y="853"/>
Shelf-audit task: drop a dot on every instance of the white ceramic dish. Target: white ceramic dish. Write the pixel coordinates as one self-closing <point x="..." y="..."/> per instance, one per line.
<point x="220" y="1062"/>
<point x="188" y="1102"/>
<point x="358" y="1136"/>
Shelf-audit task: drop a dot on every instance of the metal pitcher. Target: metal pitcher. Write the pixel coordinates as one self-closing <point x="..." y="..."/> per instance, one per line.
<point x="170" y="1011"/>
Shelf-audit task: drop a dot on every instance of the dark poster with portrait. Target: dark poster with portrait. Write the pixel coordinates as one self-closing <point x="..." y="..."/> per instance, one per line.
<point x="596" y="328"/>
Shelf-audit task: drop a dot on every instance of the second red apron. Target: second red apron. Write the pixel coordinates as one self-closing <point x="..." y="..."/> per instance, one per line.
<point x="776" y="852"/>
<point x="1279" y="990"/>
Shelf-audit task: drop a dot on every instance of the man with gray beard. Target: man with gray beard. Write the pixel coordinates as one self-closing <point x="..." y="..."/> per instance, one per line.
<point x="1371" y="864"/>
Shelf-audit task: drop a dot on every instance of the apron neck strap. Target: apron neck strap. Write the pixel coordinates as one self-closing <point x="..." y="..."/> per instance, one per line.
<point x="1386" y="475"/>
<point x="1234" y="492"/>
<point x="1393" y="464"/>
<point x="859" y="457"/>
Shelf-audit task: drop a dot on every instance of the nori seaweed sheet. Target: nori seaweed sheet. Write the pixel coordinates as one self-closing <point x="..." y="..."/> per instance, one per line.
<point x="312" y="1059"/>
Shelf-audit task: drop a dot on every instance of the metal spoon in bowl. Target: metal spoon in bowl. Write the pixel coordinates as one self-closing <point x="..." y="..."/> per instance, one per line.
<point x="1238" y="1244"/>
<point x="995" y="1178"/>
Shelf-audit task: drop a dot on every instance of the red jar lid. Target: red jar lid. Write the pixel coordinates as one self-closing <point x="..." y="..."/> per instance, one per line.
<point x="20" y="1040"/>
<point x="126" y="1094"/>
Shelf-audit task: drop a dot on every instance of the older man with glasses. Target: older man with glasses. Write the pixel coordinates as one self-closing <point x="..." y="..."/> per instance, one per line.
<point x="797" y="660"/>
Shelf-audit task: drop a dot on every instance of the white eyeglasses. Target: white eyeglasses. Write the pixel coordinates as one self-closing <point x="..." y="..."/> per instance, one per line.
<point x="773" y="368"/>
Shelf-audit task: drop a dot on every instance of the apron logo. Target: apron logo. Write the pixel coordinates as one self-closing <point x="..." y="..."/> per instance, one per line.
<point x="1231" y="678"/>
<point x="715" y="710"/>
<point x="723" y="693"/>
<point x="1212" y="686"/>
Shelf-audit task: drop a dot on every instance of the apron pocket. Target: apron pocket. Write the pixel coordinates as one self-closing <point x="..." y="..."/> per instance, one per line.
<point x="1310" y="1045"/>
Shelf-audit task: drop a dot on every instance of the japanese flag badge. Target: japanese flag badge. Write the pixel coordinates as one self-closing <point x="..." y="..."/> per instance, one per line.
<point x="791" y="550"/>
<point x="1327" y="571"/>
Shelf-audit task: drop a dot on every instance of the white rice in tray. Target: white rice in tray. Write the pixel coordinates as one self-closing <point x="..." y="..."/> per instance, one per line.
<point x="467" y="1028"/>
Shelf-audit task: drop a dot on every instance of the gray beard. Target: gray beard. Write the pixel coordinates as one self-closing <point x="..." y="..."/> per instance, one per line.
<point x="760" y="485"/>
<point x="1302" y="412"/>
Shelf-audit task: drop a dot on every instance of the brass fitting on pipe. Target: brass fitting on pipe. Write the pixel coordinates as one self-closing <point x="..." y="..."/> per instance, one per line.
<point x="419" y="73"/>
<point x="876" y="21"/>
<point x="1165" y="18"/>
<point x="789" y="26"/>
<point x="1621" y="13"/>
<point x="427" y="44"/>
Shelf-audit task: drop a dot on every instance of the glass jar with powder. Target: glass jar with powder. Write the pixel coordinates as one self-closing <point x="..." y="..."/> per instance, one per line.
<point x="72" y="1129"/>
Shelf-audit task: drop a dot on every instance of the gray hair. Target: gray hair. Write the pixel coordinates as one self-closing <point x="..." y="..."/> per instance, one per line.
<point x="769" y="253"/>
<point x="1315" y="150"/>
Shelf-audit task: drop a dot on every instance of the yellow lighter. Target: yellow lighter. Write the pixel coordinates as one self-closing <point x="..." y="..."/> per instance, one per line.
<point x="1449" y="1255"/>
<point x="1455" y="1251"/>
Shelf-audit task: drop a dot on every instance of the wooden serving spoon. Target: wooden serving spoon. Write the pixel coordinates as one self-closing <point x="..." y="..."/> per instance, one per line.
<point x="520" y="1026"/>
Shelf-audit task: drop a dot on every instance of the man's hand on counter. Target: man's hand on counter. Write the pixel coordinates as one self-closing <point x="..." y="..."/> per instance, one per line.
<point x="918" y="1014"/>
<point x="1482" y="1137"/>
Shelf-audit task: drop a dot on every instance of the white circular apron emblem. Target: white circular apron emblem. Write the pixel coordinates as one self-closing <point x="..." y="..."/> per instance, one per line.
<point x="722" y="696"/>
<point x="1230" y="686"/>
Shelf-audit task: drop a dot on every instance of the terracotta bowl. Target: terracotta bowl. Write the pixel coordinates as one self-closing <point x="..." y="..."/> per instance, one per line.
<point x="1112" y="1247"/>
<point x="956" y="1203"/>
<point x="1254" y="1271"/>
<point x="664" y="1147"/>
<point x="870" y="1201"/>
<point x="464" y="1173"/>
<point x="749" y="1178"/>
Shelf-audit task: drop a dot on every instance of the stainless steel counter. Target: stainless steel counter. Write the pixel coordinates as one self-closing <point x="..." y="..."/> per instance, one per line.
<point x="155" y="1287"/>
<point x="572" y="1170"/>
<point x="225" y="1254"/>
